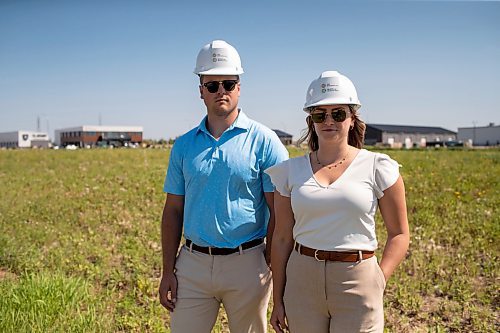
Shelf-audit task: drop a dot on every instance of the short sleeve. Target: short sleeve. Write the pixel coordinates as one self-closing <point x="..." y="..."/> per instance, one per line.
<point x="279" y="177"/>
<point x="174" y="180"/>
<point x="275" y="153"/>
<point x="386" y="173"/>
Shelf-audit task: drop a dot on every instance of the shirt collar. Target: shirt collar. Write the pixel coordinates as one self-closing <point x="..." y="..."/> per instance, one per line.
<point x="241" y="122"/>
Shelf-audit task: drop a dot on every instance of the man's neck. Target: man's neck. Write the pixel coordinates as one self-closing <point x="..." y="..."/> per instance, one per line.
<point x="217" y="124"/>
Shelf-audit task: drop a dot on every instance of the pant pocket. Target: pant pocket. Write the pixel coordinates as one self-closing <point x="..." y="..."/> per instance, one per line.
<point x="381" y="275"/>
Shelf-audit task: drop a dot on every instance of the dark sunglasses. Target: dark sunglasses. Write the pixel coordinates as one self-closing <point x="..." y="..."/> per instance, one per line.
<point x="339" y="115"/>
<point x="213" y="86"/>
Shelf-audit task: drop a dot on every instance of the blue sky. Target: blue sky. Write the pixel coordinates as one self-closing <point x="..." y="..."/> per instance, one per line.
<point x="71" y="63"/>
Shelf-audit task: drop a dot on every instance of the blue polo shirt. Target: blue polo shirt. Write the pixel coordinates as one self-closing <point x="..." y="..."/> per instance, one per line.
<point x="223" y="181"/>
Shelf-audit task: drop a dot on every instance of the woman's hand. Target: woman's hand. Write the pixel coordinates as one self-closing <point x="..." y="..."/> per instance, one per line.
<point x="278" y="318"/>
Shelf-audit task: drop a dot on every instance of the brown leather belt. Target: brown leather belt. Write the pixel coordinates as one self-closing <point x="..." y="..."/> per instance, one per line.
<point x="223" y="251"/>
<point x="321" y="255"/>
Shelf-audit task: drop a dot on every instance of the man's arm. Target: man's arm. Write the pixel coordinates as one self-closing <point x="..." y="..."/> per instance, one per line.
<point x="171" y="232"/>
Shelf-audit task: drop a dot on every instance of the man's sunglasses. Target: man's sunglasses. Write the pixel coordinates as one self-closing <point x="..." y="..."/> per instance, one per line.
<point x="213" y="86"/>
<point x="339" y="115"/>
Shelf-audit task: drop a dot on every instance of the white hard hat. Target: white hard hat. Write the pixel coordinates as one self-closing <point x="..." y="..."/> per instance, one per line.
<point x="218" y="58"/>
<point x="331" y="88"/>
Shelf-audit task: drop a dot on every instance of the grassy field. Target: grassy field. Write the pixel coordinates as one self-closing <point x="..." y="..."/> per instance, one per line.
<point x="80" y="242"/>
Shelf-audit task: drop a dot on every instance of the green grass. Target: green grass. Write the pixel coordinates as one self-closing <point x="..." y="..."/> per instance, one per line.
<point x="80" y="242"/>
<point x="44" y="303"/>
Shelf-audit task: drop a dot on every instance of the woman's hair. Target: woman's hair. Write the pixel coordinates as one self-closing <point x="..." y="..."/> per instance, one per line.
<point x="356" y="133"/>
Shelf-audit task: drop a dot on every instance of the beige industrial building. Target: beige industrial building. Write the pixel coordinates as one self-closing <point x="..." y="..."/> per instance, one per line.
<point x="399" y="136"/>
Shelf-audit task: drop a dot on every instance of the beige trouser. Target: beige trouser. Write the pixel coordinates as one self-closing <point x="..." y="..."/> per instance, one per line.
<point x="241" y="282"/>
<point x="333" y="296"/>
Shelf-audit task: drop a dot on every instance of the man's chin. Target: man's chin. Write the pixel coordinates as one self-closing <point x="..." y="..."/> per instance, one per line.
<point x="224" y="112"/>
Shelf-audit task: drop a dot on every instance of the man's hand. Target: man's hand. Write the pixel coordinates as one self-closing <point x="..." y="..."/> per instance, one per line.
<point x="168" y="291"/>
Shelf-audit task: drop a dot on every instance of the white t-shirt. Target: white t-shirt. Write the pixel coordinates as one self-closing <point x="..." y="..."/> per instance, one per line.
<point x="341" y="216"/>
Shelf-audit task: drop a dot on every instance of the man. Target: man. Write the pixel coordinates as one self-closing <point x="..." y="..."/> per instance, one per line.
<point x="218" y="193"/>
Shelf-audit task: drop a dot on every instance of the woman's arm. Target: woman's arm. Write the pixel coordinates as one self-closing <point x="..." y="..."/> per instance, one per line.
<point x="269" y="196"/>
<point x="282" y="246"/>
<point x="393" y="208"/>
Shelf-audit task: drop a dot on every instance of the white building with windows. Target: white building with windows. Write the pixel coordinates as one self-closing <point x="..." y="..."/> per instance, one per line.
<point x="24" y="139"/>
<point x="93" y="136"/>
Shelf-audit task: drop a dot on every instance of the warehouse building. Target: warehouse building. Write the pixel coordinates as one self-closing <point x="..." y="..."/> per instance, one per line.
<point x="398" y="136"/>
<point x="95" y="136"/>
<point x="480" y="136"/>
<point x="24" y="139"/>
<point x="284" y="137"/>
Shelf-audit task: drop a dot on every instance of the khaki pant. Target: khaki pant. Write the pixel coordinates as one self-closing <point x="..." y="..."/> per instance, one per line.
<point x="241" y="282"/>
<point x="335" y="297"/>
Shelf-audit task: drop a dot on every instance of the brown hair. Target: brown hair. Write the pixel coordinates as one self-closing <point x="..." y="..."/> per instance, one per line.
<point x="356" y="133"/>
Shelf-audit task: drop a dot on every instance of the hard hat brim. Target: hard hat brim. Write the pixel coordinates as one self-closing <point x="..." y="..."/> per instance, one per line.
<point x="331" y="101"/>
<point x="219" y="71"/>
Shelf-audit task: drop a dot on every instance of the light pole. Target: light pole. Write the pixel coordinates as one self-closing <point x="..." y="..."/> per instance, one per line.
<point x="474" y="133"/>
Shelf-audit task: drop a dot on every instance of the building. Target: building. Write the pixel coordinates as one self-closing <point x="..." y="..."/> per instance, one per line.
<point x="285" y="138"/>
<point x="398" y="136"/>
<point x="480" y="136"/>
<point x="24" y="139"/>
<point x="93" y="136"/>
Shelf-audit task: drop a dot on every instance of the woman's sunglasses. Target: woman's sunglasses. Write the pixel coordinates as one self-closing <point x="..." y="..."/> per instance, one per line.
<point x="339" y="115"/>
<point x="213" y="86"/>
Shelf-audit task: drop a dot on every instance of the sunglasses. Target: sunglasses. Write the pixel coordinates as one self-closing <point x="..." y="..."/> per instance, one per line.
<point x="213" y="86"/>
<point x="339" y="115"/>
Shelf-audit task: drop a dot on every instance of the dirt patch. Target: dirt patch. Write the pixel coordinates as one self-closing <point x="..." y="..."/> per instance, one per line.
<point x="5" y="274"/>
<point x="431" y="304"/>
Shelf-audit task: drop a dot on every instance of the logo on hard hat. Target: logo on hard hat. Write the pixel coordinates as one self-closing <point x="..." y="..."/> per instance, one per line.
<point x="323" y="85"/>
<point x="219" y="57"/>
<point x="329" y="87"/>
<point x="25" y="137"/>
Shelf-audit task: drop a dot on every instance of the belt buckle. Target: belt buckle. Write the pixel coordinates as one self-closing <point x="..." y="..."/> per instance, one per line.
<point x="316" y="256"/>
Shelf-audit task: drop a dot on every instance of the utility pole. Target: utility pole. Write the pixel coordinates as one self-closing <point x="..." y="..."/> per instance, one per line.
<point x="48" y="128"/>
<point x="474" y="133"/>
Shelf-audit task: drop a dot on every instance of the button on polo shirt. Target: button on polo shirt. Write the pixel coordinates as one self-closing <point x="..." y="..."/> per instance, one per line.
<point x="223" y="181"/>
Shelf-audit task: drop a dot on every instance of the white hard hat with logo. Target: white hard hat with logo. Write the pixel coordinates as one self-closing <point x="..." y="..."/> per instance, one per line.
<point x="331" y="88"/>
<point x="218" y="58"/>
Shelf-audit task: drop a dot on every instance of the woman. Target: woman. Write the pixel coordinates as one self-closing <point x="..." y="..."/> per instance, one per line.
<point x="325" y="275"/>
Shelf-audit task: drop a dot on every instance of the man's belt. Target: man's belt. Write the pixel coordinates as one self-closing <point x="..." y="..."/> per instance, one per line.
<point x="222" y="251"/>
